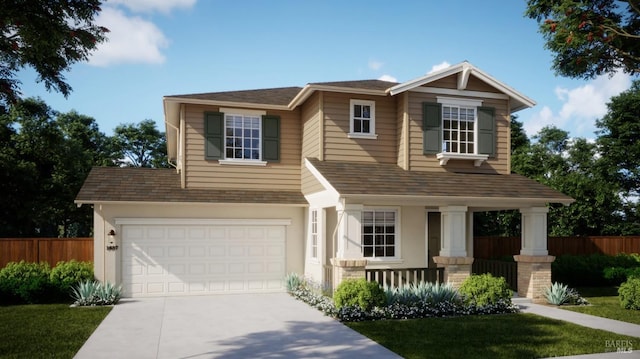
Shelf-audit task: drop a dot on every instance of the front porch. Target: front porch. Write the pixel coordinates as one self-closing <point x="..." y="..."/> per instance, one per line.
<point x="445" y="237"/>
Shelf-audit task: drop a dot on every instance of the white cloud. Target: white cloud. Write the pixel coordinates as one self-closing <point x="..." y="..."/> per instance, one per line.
<point x="388" y="78"/>
<point x="581" y="106"/>
<point x="164" y="6"/>
<point x="375" y="65"/>
<point x="131" y="40"/>
<point x="440" y="66"/>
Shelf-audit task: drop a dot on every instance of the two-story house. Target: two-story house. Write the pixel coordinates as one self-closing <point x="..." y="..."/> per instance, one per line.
<point x="328" y="180"/>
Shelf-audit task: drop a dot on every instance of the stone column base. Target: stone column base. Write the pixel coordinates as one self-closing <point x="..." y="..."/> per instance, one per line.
<point x="534" y="276"/>
<point x="456" y="269"/>
<point x="347" y="269"/>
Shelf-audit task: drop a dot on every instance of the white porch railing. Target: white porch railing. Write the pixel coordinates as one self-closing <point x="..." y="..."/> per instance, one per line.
<point x="401" y="276"/>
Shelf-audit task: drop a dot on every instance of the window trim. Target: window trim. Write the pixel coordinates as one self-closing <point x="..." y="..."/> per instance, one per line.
<point x="314" y="235"/>
<point x="397" y="258"/>
<point x="371" y="135"/>
<point x="444" y="156"/>
<point x="241" y="112"/>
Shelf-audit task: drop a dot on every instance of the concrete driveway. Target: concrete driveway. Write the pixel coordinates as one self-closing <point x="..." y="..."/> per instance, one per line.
<point x="224" y="326"/>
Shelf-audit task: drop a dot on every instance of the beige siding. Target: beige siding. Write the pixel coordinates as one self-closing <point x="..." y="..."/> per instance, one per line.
<point x="337" y="145"/>
<point x="422" y="162"/>
<point x="310" y="141"/>
<point x="283" y="175"/>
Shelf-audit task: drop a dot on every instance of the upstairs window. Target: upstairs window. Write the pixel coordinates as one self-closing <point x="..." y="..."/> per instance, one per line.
<point x="238" y="136"/>
<point x="362" y="119"/>
<point x="458" y="129"/>
<point x="461" y="129"/>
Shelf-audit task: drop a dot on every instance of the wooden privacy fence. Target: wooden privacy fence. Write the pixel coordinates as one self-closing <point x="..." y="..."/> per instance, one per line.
<point x="496" y="247"/>
<point x="50" y="250"/>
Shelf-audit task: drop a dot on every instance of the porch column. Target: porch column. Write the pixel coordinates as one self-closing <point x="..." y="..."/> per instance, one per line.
<point x="534" y="261"/>
<point x="453" y="253"/>
<point x="349" y="262"/>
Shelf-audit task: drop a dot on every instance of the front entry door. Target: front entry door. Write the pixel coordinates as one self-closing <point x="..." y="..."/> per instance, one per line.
<point x="433" y="236"/>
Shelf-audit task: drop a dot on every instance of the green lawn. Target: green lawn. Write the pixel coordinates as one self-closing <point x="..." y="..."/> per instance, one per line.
<point x="605" y="303"/>
<point x="488" y="336"/>
<point x="46" y="331"/>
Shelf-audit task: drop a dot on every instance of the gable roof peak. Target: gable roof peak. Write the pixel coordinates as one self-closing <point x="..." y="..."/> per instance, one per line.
<point x="464" y="70"/>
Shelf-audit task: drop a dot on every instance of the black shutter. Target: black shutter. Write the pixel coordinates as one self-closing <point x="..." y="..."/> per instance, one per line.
<point x="432" y="127"/>
<point x="486" y="131"/>
<point x="271" y="138"/>
<point x="214" y="135"/>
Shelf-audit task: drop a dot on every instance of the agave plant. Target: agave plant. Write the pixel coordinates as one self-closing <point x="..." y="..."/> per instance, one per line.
<point x="293" y="281"/>
<point x="442" y="293"/>
<point x="557" y="294"/>
<point x="83" y="293"/>
<point x="108" y="293"/>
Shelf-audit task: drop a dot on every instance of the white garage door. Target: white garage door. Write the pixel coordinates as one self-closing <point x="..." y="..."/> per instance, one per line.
<point x="202" y="257"/>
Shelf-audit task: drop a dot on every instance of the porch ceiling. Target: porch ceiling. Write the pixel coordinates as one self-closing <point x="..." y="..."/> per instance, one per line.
<point x="386" y="183"/>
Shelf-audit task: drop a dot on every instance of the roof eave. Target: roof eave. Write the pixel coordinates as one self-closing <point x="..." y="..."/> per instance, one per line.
<point x="498" y="202"/>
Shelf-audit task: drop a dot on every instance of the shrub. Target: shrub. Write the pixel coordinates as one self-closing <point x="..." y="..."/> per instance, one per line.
<point x="629" y="293"/>
<point x="25" y="282"/>
<point x="485" y="289"/>
<point x="590" y="271"/>
<point x="91" y="292"/>
<point x="359" y="292"/>
<point x="65" y="275"/>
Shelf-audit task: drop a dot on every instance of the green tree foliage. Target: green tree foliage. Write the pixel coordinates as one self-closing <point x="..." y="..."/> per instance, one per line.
<point x="48" y="36"/>
<point x="619" y="144"/>
<point x="141" y="145"/>
<point x="573" y="167"/>
<point x="45" y="158"/>
<point x="590" y="38"/>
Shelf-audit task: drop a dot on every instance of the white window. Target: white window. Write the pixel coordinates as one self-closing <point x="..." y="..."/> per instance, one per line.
<point x="362" y="120"/>
<point x="380" y="237"/>
<point x="459" y="129"/>
<point x="313" y="234"/>
<point x="242" y="137"/>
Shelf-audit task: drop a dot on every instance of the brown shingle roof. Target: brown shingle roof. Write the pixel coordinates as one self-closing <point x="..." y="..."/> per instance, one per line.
<point x="126" y="184"/>
<point x="273" y="96"/>
<point x="351" y="178"/>
<point x="280" y="96"/>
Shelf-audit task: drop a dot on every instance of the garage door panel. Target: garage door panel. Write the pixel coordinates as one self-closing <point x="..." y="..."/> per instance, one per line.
<point x="182" y="260"/>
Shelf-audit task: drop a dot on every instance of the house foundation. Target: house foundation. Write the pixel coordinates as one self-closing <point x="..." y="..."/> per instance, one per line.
<point x="456" y="269"/>
<point x="534" y="276"/>
<point x="347" y="269"/>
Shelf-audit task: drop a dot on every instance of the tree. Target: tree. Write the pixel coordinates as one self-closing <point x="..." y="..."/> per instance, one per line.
<point x="590" y="38"/>
<point x="140" y="145"/>
<point x="45" y="157"/>
<point x="619" y="142"/>
<point x="573" y="167"/>
<point x="49" y="36"/>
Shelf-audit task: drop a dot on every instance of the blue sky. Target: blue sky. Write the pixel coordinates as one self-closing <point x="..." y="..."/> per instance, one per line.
<point x="168" y="47"/>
